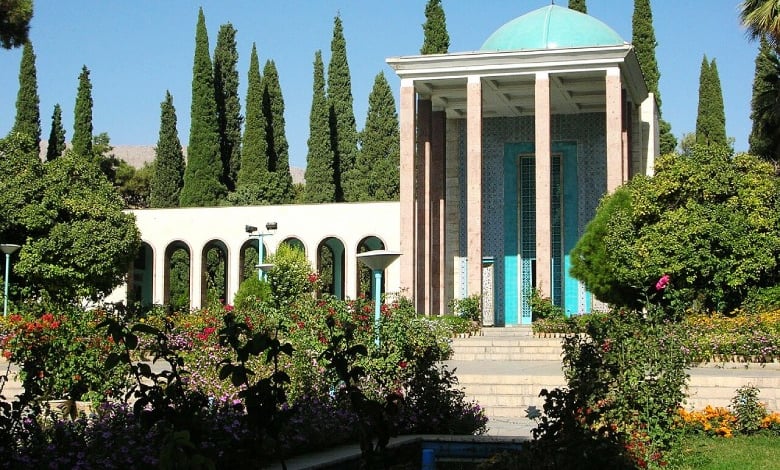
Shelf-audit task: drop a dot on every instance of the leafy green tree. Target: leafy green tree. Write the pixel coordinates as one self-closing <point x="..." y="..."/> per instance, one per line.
<point x="254" y="160"/>
<point x="168" y="177"/>
<point x="228" y="105"/>
<point x="765" y="105"/>
<point x="289" y="276"/>
<point x="82" y="123"/>
<point x="343" y="130"/>
<point x="57" y="135"/>
<point x="134" y="185"/>
<point x="15" y="16"/>
<point x="436" y="38"/>
<point x="278" y="185"/>
<point x="320" y="186"/>
<point x="711" y="117"/>
<point x="76" y="240"/>
<point x="28" y="114"/>
<point x="643" y="38"/>
<point x="761" y="18"/>
<point x="578" y="5"/>
<point x="377" y="164"/>
<point x="709" y="220"/>
<point x="203" y="184"/>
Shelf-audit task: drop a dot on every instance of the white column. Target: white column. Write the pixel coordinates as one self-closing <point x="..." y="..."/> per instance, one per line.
<point x="158" y="273"/>
<point x="614" y="104"/>
<point x="407" y="144"/>
<point x="234" y="271"/>
<point x="196" y="276"/>
<point x="474" y="183"/>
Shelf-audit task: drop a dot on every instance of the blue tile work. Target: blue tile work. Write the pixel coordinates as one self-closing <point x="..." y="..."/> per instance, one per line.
<point x="587" y="130"/>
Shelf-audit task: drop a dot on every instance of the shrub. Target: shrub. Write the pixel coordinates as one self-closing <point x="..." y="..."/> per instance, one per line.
<point x="710" y="220"/>
<point x="469" y="308"/>
<point x="749" y="412"/>
<point x="251" y="291"/>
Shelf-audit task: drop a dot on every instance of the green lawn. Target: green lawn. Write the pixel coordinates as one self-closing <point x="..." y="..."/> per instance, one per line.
<point x="738" y="453"/>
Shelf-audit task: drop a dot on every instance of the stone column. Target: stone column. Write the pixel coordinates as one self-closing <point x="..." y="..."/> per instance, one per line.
<point x="438" y="155"/>
<point x="474" y="183"/>
<point x="197" y="273"/>
<point x="423" y="201"/>
<point x="158" y="282"/>
<point x="407" y="144"/>
<point x="542" y="161"/>
<point x="234" y="272"/>
<point x="614" y="100"/>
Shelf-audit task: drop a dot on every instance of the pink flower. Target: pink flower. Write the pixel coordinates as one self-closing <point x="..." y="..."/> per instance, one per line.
<point x="662" y="282"/>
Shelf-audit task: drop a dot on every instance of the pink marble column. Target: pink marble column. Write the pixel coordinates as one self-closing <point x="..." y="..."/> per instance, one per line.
<point x="474" y="183"/>
<point x="407" y="144"/>
<point x="542" y="178"/>
<point x="615" y="171"/>
<point x="423" y="201"/>
<point x="438" y="140"/>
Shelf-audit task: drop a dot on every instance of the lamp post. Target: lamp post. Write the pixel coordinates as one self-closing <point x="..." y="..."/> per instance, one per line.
<point x="377" y="261"/>
<point x="250" y="229"/>
<point x="7" y="248"/>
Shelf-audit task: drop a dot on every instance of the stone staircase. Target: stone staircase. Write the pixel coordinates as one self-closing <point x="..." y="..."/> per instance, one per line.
<point x="504" y="369"/>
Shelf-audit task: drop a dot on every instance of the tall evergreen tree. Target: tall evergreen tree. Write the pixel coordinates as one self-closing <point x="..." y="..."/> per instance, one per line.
<point x="765" y="105"/>
<point x="645" y="43"/>
<point x="379" y="151"/>
<point x="436" y="39"/>
<point x="28" y="114"/>
<point x="254" y="160"/>
<point x="710" y="119"/>
<point x="57" y="135"/>
<point x="320" y="185"/>
<point x="15" y="16"/>
<point x="82" y="123"/>
<point x="203" y="175"/>
<point x="578" y="5"/>
<point x="279" y="188"/>
<point x="228" y="105"/>
<point x="168" y="176"/>
<point x="343" y="130"/>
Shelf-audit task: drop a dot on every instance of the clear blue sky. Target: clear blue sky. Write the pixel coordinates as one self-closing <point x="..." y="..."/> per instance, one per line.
<point x="136" y="50"/>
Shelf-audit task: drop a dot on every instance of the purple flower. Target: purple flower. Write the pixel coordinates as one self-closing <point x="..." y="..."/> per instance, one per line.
<point x="662" y="282"/>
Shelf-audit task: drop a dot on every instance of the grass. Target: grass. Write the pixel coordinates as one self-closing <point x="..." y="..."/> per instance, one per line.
<point x="759" y="452"/>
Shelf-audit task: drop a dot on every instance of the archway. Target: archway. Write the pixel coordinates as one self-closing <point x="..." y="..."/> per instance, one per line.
<point x="364" y="275"/>
<point x="295" y="243"/>
<point x="214" y="271"/>
<point x="176" y="284"/>
<point x="330" y="265"/>
<point x="141" y="280"/>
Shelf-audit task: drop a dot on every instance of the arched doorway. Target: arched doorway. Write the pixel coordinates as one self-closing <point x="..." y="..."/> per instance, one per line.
<point x="141" y="280"/>
<point x="330" y="265"/>
<point x="176" y="285"/>
<point x="295" y="243"/>
<point x="364" y="275"/>
<point x="214" y="271"/>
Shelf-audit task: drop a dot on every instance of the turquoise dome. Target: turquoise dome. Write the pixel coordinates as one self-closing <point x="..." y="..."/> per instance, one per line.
<point x="552" y="27"/>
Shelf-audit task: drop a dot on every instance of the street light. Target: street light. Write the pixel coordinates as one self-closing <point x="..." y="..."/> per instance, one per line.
<point x="377" y="261"/>
<point x="250" y="229"/>
<point x="7" y="248"/>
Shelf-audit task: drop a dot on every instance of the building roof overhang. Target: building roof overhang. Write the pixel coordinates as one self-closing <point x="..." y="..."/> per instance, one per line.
<point x="577" y="83"/>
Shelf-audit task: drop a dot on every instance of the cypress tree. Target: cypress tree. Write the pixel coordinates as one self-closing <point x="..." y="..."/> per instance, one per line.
<point x="82" y="123"/>
<point x="320" y="185"/>
<point x="379" y="151"/>
<point x="168" y="176"/>
<point x="203" y="175"/>
<point x="765" y="134"/>
<point x="578" y="5"/>
<point x="436" y="40"/>
<point x="710" y="119"/>
<point x="279" y="188"/>
<point x="56" y="136"/>
<point x="15" y="16"/>
<point x="254" y="161"/>
<point x="343" y="130"/>
<point x="645" y="43"/>
<point x="228" y="105"/>
<point x="28" y="114"/>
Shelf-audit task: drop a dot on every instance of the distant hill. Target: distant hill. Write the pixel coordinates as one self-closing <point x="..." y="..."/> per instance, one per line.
<point x="138" y="155"/>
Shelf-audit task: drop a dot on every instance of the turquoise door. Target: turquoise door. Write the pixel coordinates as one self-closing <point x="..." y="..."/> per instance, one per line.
<point x="520" y="228"/>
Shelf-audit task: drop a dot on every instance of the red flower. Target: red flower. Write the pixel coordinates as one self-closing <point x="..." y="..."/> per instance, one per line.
<point x="229" y="308"/>
<point x="403" y="364"/>
<point x="313" y="278"/>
